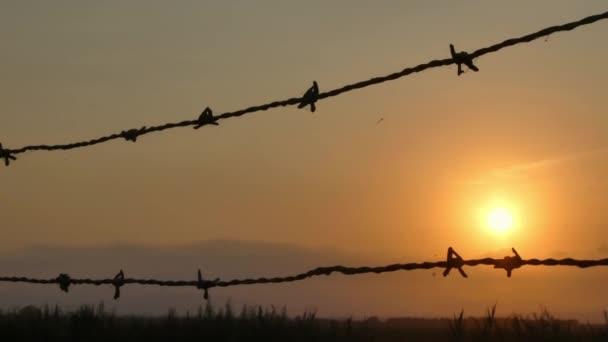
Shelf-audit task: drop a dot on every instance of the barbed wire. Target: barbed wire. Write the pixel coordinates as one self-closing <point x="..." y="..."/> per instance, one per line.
<point x="453" y="261"/>
<point x="311" y="96"/>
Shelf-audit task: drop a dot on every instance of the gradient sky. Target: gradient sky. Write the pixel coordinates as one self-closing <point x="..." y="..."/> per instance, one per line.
<point x="528" y="129"/>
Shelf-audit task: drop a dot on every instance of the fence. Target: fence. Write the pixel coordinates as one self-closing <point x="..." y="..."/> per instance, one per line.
<point x="310" y="98"/>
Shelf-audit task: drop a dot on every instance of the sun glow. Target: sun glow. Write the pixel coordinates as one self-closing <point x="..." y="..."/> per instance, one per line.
<point x="500" y="219"/>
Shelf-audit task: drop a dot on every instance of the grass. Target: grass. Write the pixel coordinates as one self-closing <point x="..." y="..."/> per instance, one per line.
<point x="95" y="323"/>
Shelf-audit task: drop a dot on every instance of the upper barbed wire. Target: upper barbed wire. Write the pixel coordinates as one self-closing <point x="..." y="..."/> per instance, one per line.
<point x="311" y="96"/>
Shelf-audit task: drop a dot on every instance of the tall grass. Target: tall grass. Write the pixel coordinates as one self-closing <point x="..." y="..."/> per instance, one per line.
<point x="208" y="323"/>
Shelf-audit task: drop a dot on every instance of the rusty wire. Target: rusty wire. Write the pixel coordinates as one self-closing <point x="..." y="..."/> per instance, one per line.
<point x="312" y="95"/>
<point x="453" y="261"/>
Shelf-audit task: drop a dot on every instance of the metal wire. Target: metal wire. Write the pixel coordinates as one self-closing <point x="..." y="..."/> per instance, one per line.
<point x="310" y="97"/>
<point x="453" y="261"/>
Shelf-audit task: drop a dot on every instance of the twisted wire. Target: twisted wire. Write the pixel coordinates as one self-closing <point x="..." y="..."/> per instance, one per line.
<point x="508" y="263"/>
<point x="311" y="96"/>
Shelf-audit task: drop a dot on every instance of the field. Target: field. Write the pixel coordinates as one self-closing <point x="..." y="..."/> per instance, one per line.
<point x="95" y="323"/>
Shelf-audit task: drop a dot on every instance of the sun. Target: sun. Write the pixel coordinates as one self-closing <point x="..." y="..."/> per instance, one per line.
<point x="500" y="219"/>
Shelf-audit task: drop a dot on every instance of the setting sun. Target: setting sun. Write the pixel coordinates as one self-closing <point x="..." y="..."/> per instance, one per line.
<point x="500" y="219"/>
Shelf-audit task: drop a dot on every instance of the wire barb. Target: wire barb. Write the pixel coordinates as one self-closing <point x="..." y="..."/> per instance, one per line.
<point x="132" y="134"/>
<point x="310" y="97"/>
<point x="206" y="118"/>
<point x="118" y="281"/>
<point x="461" y="58"/>
<point x="7" y="155"/>
<point x="454" y="261"/>
<point x="64" y="281"/>
<point x="509" y="263"/>
<point x="202" y="284"/>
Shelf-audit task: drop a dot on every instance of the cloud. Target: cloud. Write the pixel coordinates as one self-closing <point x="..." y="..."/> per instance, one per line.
<point x="524" y="170"/>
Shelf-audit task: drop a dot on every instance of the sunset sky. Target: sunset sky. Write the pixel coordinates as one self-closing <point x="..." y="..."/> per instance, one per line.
<point x="528" y="133"/>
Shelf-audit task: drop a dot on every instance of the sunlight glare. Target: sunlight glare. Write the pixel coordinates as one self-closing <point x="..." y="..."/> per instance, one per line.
<point x="500" y="219"/>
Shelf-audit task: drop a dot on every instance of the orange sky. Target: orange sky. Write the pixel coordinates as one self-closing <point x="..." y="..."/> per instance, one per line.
<point x="529" y="128"/>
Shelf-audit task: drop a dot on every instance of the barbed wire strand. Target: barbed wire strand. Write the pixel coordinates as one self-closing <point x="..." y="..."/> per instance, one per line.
<point x="453" y="261"/>
<point x="312" y="95"/>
